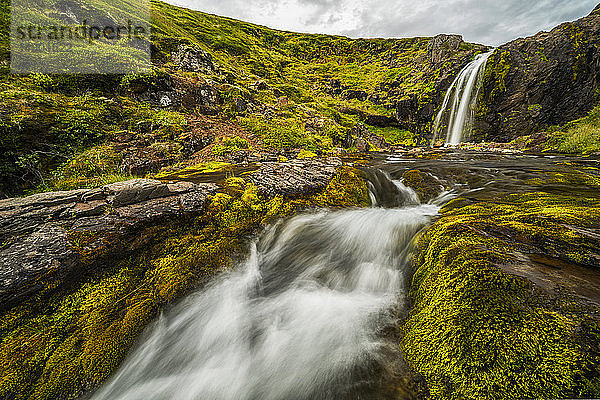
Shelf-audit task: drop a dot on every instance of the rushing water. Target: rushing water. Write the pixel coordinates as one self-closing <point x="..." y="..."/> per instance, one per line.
<point x="309" y="314"/>
<point x="302" y="319"/>
<point x="462" y="98"/>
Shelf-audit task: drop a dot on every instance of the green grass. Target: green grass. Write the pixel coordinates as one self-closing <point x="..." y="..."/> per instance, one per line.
<point x="581" y="136"/>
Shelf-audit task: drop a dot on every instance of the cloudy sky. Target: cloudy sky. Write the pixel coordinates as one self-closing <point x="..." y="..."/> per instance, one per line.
<point x="491" y="22"/>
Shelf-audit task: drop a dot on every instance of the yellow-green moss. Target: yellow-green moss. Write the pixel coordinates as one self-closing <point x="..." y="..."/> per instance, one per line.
<point x="477" y="332"/>
<point x="203" y="168"/>
<point x="55" y="347"/>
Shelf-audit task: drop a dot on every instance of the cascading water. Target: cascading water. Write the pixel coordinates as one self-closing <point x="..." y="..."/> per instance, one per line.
<point x="302" y="319"/>
<point x="463" y="95"/>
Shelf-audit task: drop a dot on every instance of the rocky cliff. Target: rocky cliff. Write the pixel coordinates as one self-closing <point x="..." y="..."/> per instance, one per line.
<point x="547" y="79"/>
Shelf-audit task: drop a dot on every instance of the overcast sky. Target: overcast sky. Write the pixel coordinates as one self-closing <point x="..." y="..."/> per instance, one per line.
<point x="490" y="22"/>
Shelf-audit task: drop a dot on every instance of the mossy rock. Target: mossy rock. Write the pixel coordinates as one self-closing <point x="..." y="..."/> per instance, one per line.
<point x="424" y="184"/>
<point x="68" y="339"/>
<point x="480" y="327"/>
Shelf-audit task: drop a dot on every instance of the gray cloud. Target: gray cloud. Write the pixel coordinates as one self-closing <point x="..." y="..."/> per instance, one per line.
<point x="491" y="22"/>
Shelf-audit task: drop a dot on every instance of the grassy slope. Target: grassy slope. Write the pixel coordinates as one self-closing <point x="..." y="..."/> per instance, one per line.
<point x="580" y="136"/>
<point x="48" y="122"/>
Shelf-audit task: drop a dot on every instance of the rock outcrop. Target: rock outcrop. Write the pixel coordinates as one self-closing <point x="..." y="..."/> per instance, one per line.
<point x="540" y="81"/>
<point x="40" y="233"/>
<point x="47" y="237"/>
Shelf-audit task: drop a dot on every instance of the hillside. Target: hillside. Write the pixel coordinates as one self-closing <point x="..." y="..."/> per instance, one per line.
<point x="220" y="89"/>
<point x="226" y="90"/>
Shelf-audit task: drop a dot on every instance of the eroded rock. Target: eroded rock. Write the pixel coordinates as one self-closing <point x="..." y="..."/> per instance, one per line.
<point x="40" y="233"/>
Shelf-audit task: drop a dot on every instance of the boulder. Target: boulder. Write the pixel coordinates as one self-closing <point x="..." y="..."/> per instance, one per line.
<point x="193" y="59"/>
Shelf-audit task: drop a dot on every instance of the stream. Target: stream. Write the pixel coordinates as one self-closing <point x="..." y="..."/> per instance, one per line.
<point x="308" y="315"/>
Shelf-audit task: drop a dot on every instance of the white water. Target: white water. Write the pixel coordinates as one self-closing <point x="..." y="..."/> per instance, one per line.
<point x="301" y="320"/>
<point x="462" y="95"/>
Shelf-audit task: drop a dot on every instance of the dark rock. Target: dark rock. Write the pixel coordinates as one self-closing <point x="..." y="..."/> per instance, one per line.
<point x="413" y="114"/>
<point x="240" y="104"/>
<point x="540" y="81"/>
<point x="260" y="85"/>
<point x="360" y="131"/>
<point x="362" y="145"/>
<point x="169" y="92"/>
<point x="359" y="95"/>
<point x="37" y="231"/>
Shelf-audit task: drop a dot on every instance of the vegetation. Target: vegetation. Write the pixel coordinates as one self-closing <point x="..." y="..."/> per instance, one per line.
<point x="477" y="332"/>
<point x="580" y="136"/>
<point x="288" y="89"/>
<point x="58" y="346"/>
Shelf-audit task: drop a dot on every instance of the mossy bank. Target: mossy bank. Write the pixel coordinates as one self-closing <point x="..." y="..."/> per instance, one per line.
<point x="504" y="301"/>
<point x="73" y="333"/>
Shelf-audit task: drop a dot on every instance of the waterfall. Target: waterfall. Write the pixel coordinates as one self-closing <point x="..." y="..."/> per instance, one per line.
<point x="462" y="95"/>
<point x="302" y="319"/>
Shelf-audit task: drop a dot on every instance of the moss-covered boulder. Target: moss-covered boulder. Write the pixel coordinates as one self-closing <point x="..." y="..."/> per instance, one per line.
<point x="424" y="184"/>
<point x="506" y="300"/>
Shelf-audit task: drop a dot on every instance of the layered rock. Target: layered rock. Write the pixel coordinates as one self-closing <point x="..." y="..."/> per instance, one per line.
<point x="40" y="232"/>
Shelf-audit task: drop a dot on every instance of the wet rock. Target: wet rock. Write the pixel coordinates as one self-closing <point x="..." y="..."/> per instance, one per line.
<point x="427" y="186"/>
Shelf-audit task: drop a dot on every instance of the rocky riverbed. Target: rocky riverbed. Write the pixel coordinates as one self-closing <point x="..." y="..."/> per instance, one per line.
<point x="512" y="260"/>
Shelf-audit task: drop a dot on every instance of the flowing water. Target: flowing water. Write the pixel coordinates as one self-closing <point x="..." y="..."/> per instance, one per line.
<point x="309" y="314"/>
<point x="300" y="320"/>
<point x="462" y="98"/>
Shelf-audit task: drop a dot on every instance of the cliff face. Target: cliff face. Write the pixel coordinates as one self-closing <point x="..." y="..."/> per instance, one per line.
<point x="548" y="79"/>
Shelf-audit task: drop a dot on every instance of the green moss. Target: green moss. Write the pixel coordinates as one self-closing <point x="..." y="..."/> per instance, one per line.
<point x="211" y="167"/>
<point x="578" y="42"/>
<point x="477" y="332"/>
<point x="306" y="154"/>
<point x="58" y="345"/>
<point x="496" y="72"/>
<point x="230" y="144"/>
<point x="95" y="167"/>
<point x="397" y="137"/>
<point x="426" y="186"/>
<point x="581" y="136"/>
